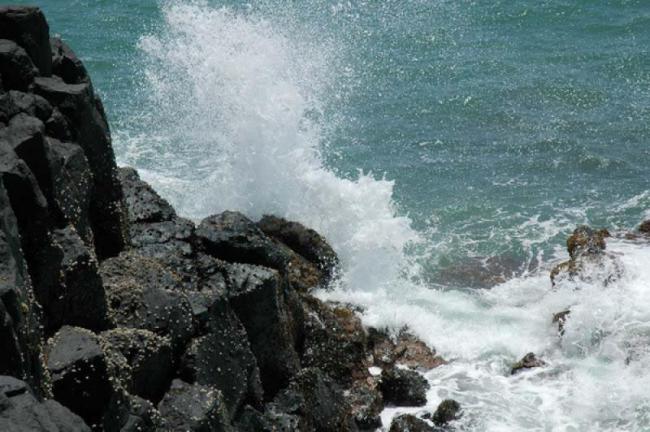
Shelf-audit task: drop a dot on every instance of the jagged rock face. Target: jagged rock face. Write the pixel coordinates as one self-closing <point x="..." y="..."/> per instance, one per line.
<point x="529" y="361"/>
<point x="20" y="411"/>
<point x="20" y="335"/>
<point x="27" y="27"/>
<point x="79" y="371"/>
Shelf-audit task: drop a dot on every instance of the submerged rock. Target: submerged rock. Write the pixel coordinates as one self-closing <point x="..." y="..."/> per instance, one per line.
<point x="448" y="411"/>
<point x="529" y="361"/>
<point x="403" y="387"/>
<point x="405" y="349"/>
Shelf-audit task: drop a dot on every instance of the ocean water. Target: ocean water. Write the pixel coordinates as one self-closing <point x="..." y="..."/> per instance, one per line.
<point x="443" y="147"/>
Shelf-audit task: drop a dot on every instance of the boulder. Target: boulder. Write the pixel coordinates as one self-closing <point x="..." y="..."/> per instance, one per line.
<point x="403" y="387"/>
<point x="334" y="340"/>
<point x="317" y="401"/>
<point x="57" y="126"/>
<point x="86" y="118"/>
<point x="529" y="361"/>
<point x="20" y="332"/>
<point x="149" y="359"/>
<point x="194" y="408"/>
<point x="16" y="67"/>
<point x="27" y="26"/>
<point x="21" y="411"/>
<point x="258" y="297"/>
<point x="80" y="379"/>
<point x="448" y="411"/>
<point x="304" y="241"/>
<point x="409" y="423"/>
<point x="82" y="300"/>
<point x="143" y="203"/>
<point x="142" y="293"/>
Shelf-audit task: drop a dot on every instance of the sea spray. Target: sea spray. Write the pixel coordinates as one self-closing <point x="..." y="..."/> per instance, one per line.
<point x="233" y="102"/>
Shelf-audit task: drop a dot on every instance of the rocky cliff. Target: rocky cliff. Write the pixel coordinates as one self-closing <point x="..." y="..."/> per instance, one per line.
<point x="117" y="314"/>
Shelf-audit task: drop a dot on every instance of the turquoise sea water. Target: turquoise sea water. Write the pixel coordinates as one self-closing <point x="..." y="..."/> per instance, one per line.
<point x="425" y="139"/>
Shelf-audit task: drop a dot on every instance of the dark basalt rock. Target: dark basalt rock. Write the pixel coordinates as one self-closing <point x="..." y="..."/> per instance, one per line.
<point x="71" y="186"/>
<point x="16" y="67"/>
<point x="31" y="104"/>
<point x="317" y="401"/>
<point x="20" y="411"/>
<point x="128" y="413"/>
<point x="28" y="28"/>
<point x="194" y="408"/>
<point x="448" y="411"/>
<point x="57" y="126"/>
<point x="66" y="64"/>
<point x="233" y="237"/>
<point x="304" y="241"/>
<point x="366" y="404"/>
<point x="403" y="387"/>
<point x="335" y="340"/>
<point x="86" y="118"/>
<point x="529" y="361"/>
<point x="171" y="243"/>
<point x="20" y="333"/>
<point x="409" y="423"/>
<point x="149" y="358"/>
<point x="82" y="300"/>
<point x="143" y="203"/>
<point x="223" y="358"/>
<point x="80" y="379"/>
<point x="142" y="293"/>
<point x="258" y="296"/>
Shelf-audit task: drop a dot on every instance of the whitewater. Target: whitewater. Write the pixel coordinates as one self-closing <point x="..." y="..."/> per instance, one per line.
<point x="237" y="111"/>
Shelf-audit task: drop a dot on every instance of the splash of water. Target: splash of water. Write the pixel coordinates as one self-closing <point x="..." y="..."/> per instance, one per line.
<point x="234" y="125"/>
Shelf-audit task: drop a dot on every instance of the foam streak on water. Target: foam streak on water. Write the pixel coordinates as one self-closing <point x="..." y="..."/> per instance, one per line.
<point x="234" y="104"/>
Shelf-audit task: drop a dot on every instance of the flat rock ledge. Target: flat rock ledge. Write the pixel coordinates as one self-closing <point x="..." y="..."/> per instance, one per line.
<point x="118" y="315"/>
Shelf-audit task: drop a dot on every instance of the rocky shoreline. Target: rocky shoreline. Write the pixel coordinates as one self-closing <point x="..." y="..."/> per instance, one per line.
<point x="120" y="315"/>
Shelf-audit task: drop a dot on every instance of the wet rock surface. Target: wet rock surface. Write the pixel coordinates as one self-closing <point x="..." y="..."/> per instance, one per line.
<point x="448" y="411"/>
<point x="409" y="423"/>
<point x="403" y="387"/>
